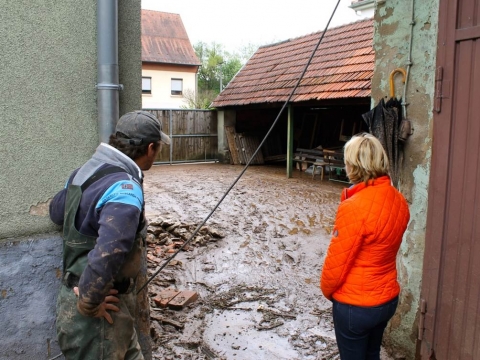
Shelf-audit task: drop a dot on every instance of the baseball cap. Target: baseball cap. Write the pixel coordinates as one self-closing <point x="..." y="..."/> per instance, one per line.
<point x="140" y="128"/>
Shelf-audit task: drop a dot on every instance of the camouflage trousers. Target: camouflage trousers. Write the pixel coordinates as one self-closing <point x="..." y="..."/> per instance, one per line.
<point x="88" y="338"/>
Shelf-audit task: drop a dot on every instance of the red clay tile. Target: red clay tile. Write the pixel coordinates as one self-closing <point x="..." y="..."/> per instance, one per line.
<point x="164" y="297"/>
<point x="343" y="64"/>
<point x="183" y="299"/>
<point x="165" y="40"/>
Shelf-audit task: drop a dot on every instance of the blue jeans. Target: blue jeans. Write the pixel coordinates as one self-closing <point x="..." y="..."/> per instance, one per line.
<point x="359" y="330"/>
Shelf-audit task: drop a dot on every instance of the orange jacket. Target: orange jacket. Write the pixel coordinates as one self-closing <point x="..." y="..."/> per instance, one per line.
<point x="360" y="266"/>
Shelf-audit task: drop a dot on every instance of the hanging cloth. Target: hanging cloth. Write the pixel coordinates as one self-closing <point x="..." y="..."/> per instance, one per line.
<point x="383" y="123"/>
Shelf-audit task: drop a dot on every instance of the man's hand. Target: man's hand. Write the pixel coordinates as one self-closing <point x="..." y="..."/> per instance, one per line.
<point x="99" y="310"/>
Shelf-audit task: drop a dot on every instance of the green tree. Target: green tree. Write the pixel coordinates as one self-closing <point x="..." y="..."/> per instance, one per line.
<point x="218" y="68"/>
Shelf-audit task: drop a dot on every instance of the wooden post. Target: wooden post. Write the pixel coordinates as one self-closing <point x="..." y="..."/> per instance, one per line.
<point x="290" y="128"/>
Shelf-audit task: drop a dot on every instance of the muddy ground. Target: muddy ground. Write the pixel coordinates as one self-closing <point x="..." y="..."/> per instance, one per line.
<point x="258" y="289"/>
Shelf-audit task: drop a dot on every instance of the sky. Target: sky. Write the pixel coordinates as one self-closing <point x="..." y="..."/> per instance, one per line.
<point x="236" y="24"/>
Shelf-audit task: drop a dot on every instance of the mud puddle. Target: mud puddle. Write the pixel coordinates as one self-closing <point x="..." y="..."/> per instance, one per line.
<point x="257" y="278"/>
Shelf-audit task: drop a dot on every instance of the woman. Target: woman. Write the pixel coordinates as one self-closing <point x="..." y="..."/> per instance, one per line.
<point x="359" y="274"/>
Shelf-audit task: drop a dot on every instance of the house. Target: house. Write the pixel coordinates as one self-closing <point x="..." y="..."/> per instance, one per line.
<point x="324" y="110"/>
<point x="169" y="62"/>
<point x="51" y="125"/>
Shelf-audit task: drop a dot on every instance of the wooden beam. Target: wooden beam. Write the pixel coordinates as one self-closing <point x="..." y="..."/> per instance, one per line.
<point x="290" y="129"/>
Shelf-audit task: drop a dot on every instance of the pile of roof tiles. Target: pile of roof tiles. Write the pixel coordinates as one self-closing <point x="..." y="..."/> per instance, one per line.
<point x="166" y="235"/>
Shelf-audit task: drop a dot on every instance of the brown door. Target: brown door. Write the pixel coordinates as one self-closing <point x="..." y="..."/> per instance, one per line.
<point x="450" y="309"/>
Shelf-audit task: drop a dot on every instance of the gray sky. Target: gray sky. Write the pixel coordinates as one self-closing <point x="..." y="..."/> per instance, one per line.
<point x="238" y="23"/>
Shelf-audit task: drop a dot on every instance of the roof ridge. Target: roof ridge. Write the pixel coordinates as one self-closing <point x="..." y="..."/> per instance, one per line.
<point x="318" y="32"/>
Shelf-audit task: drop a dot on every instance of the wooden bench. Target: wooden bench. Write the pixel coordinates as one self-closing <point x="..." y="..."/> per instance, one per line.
<point x="314" y="157"/>
<point x="335" y="161"/>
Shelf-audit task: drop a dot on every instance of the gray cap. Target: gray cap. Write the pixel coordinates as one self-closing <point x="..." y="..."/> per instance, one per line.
<point x="141" y="127"/>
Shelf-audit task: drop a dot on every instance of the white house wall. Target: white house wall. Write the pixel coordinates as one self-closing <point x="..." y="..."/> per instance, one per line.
<point x="161" y="97"/>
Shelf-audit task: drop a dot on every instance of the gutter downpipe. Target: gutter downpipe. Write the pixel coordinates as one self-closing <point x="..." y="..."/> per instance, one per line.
<point x="409" y="61"/>
<point x="107" y="68"/>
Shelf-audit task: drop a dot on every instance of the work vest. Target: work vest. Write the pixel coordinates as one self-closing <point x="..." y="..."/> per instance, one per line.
<point x="76" y="246"/>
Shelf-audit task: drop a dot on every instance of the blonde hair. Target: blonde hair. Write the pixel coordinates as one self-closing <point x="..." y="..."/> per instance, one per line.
<point x="366" y="158"/>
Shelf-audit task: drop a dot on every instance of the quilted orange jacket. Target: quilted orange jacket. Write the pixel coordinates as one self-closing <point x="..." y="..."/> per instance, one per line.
<point x="360" y="266"/>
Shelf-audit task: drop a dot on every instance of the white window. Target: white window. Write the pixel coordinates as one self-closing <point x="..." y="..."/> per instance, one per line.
<point x="146" y="85"/>
<point x="177" y="86"/>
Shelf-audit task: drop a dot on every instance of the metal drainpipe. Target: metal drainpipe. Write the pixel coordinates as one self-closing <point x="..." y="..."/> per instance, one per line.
<point x="107" y="68"/>
<point x="409" y="61"/>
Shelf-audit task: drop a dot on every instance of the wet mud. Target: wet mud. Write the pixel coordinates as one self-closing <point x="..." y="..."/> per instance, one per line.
<point x="258" y="286"/>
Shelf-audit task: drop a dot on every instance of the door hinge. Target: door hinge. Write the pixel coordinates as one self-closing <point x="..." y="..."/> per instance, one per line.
<point x="438" y="89"/>
<point x="421" y="322"/>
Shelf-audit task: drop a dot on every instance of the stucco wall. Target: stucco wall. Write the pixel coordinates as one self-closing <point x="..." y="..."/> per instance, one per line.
<point x="49" y="127"/>
<point x="48" y="102"/>
<point x="129" y="55"/>
<point x="391" y="42"/>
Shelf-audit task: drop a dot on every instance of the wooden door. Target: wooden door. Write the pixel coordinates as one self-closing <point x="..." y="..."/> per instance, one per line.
<point x="449" y="326"/>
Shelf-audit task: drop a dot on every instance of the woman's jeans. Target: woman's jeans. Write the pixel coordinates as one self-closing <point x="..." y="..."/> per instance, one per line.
<point x="359" y="330"/>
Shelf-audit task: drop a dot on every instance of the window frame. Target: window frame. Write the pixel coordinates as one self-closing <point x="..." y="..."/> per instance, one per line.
<point x="176" y="92"/>
<point x="147" y="91"/>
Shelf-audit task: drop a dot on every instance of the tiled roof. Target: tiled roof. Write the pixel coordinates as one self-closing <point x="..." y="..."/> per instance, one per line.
<point x="341" y="68"/>
<point x="164" y="39"/>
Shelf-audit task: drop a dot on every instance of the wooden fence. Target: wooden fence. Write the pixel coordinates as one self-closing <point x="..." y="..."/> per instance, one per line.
<point x="193" y="135"/>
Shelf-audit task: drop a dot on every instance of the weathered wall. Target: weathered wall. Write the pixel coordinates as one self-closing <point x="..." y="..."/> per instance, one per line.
<point x="49" y="127"/>
<point x="48" y="102"/>
<point x="29" y="282"/>
<point x="392" y="36"/>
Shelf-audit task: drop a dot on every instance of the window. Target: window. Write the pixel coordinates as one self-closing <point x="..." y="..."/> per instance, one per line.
<point x="177" y="85"/>
<point x="146" y="85"/>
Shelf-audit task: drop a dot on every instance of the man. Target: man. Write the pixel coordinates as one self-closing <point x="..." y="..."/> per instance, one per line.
<point x="101" y="209"/>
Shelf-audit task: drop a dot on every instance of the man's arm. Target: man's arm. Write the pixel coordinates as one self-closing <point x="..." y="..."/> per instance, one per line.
<point x="57" y="205"/>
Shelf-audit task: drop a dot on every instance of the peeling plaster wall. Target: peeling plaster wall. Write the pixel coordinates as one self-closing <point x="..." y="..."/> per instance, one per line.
<point x="48" y="102"/>
<point x="391" y="43"/>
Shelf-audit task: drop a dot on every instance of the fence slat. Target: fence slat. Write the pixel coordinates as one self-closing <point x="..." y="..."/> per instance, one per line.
<point x="194" y="135"/>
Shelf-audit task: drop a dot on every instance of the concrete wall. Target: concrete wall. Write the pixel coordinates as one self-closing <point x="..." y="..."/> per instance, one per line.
<point x="49" y="127"/>
<point x="392" y="35"/>
<point x="29" y="281"/>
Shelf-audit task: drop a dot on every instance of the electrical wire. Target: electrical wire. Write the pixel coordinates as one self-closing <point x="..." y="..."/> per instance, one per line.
<point x="56" y="357"/>
<point x="249" y="161"/>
